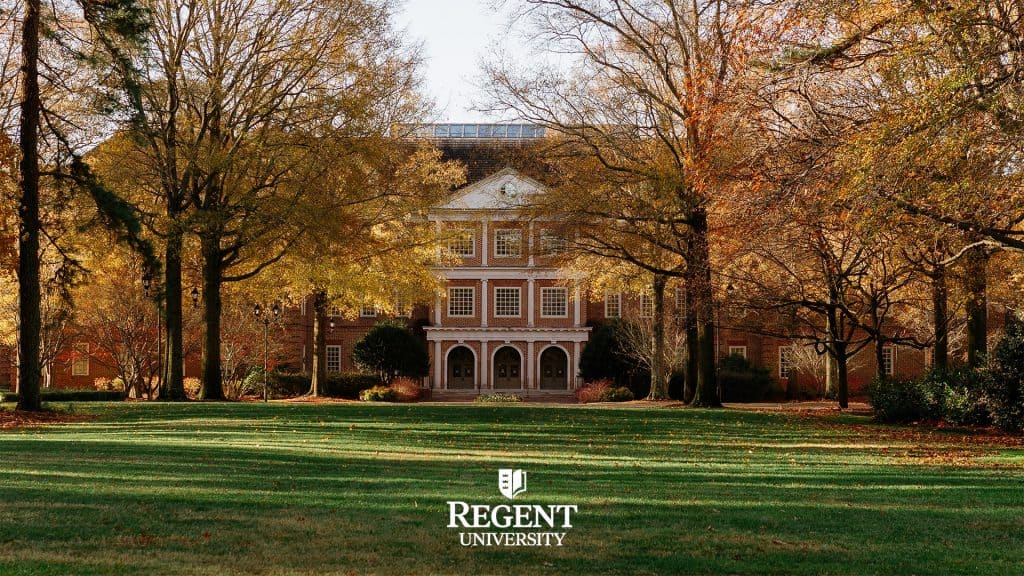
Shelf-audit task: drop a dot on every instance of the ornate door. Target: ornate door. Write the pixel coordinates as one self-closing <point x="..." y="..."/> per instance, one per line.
<point x="554" y="373"/>
<point x="507" y="365"/>
<point x="460" y="368"/>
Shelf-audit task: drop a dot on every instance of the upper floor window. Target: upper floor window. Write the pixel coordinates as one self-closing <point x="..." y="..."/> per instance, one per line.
<point x="368" y="311"/>
<point x="646" y="306"/>
<point x="786" y="361"/>
<point x="402" y="308"/>
<point x="552" y="244"/>
<point x="508" y="243"/>
<point x="462" y="243"/>
<point x="738" y="351"/>
<point x="554" y="303"/>
<point x="460" y="301"/>
<point x="612" y="305"/>
<point x="80" y="361"/>
<point x="507" y="302"/>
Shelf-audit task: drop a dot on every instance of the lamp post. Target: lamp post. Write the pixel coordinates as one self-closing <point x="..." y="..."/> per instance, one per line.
<point x="257" y="311"/>
<point x="147" y="283"/>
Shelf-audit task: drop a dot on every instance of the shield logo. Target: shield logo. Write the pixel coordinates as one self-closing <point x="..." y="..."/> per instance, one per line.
<point x="511" y="482"/>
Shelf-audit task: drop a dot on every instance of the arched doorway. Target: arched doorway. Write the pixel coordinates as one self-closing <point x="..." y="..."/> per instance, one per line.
<point x="554" y="369"/>
<point x="507" y="368"/>
<point x="460" y="368"/>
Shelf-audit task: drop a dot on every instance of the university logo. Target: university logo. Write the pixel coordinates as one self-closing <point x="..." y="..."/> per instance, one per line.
<point x="511" y="524"/>
<point x="511" y="482"/>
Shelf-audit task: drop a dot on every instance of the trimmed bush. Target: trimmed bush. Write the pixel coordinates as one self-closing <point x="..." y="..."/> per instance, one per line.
<point x="620" y="394"/>
<point x="348" y="385"/>
<point x="407" y="389"/>
<point x="378" y="394"/>
<point x="603" y="358"/>
<point x="902" y="400"/>
<point x="1005" y="387"/>
<point x="498" y="398"/>
<point x="391" y="350"/>
<point x="741" y="381"/>
<point x="603" y="391"/>
<point x="287" y="384"/>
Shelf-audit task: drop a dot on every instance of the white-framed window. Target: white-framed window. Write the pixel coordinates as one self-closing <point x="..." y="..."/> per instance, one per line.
<point x="785" y="361"/>
<point x="738" y="351"/>
<point x="507" y="302"/>
<point x="646" y="306"/>
<point x="80" y="361"/>
<point x="680" y="302"/>
<point x="554" y="303"/>
<point x="333" y="358"/>
<point x="368" y="311"/>
<point x="335" y="311"/>
<point x="508" y="243"/>
<point x="402" y="308"/>
<point x="462" y="243"/>
<point x="461" y="301"/>
<point x="552" y="244"/>
<point x="612" y="305"/>
<point x="889" y="360"/>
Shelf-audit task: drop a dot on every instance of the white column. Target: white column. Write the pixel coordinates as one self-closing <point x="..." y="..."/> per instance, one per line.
<point x="437" y="311"/>
<point x="530" y="367"/>
<point x="529" y="243"/>
<point x="484" y="292"/>
<point x="485" y="238"/>
<point x="484" y="377"/>
<point x="575" y="364"/>
<point x="438" y="366"/>
<point x="576" y="308"/>
<point x="529" y="302"/>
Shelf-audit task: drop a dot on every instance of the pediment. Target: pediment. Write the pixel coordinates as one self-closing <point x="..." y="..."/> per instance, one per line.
<point x="503" y="190"/>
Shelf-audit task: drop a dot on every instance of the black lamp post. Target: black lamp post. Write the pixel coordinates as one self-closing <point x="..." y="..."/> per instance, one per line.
<point x="257" y="311"/>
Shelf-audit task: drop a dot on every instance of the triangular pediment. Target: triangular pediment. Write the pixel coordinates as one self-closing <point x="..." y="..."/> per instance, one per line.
<point x="504" y="190"/>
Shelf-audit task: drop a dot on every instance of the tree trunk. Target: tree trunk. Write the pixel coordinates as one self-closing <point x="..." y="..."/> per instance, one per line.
<point x="29" y="296"/>
<point x="659" y="382"/>
<point x="977" y="308"/>
<point x="700" y="259"/>
<point x="319" y="344"/>
<point x="940" y="311"/>
<point x="692" y="347"/>
<point x="880" y="359"/>
<point x="212" y="388"/>
<point x="173" y="370"/>
<point x="842" y="374"/>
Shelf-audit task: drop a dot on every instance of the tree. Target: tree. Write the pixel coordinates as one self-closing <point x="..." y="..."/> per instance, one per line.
<point x="391" y="350"/>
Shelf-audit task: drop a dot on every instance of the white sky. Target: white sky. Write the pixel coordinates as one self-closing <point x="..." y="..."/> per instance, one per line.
<point x="457" y="35"/>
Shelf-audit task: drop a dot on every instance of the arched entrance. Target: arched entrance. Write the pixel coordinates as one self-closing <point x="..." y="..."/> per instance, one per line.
<point x="507" y="368"/>
<point x="460" y="368"/>
<point x="554" y="369"/>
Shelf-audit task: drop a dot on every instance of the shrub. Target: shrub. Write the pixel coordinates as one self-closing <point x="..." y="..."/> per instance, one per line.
<point x="741" y="381"/>
<point x="390" y="349"/>
<point x="109" y="384"/>
<point x="961" y="396"/>
<point x="603" y="391"/>
<point x="377" y="394"/>
<point x="192" y="387"/>
<point x="287" y="384"/>
<point x="604" y="358"/>
<point x="406" y="389"/>
<point x="901" y="400"/>
<point x="1005" y="387"/>
<point x="71" y="396"/>
<point x="348" y="384"/>
<point x="498" y="398"/>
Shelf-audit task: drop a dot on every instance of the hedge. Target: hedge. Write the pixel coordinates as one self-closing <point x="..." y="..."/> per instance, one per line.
<point x="71" y="396"/>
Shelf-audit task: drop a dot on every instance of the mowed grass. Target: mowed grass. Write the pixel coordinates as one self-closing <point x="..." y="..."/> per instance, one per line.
<point x="249" y="488"/>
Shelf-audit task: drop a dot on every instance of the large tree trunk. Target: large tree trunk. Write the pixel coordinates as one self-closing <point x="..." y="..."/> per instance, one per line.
<point x="842" y="374"/>
<point x="212" y="388"/>
<point x="880" y="359"/>
<point x="659" y="382"/>
<point x="29" y="296"/>
<point x="977" y="308"/>
<point x="700" y="259"/>
<point x="319" y="344"/>
<point x="173" y="370"/>
<point x="940" y="312"/>
<point x="692" y="346"/>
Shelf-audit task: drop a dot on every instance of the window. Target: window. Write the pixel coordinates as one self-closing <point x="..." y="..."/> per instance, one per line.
<point x="646" y="306"/>
<point x="462" y="243"/>
<point x="460" y="301"/>
<point x="552" y="244"/>
<point x="613" y="305"/>
<point x="368" y="311"/>
<point x="80" y="361"/>
<point x="335" y="311"/>
<point x="680" y="302"/>
<point x="506" y="302"/>
<point x="508" y="243"/>
<point x="738" y="351"/>
<point x="554" y="303"/>
<point x="402" y="308"/>
<point x="785" y="361"/>
<point x="889" y="360"/>
<point x="334" y="358"/>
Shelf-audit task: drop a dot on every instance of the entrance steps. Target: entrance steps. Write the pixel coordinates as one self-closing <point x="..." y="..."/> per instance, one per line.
<point x="553" y="396"/>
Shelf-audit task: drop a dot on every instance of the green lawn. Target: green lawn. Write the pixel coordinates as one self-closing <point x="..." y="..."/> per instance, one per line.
<point x="350" y="489"/>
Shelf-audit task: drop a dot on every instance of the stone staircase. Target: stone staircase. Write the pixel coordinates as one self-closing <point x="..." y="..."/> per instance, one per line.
<point x="552" y="396"/>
